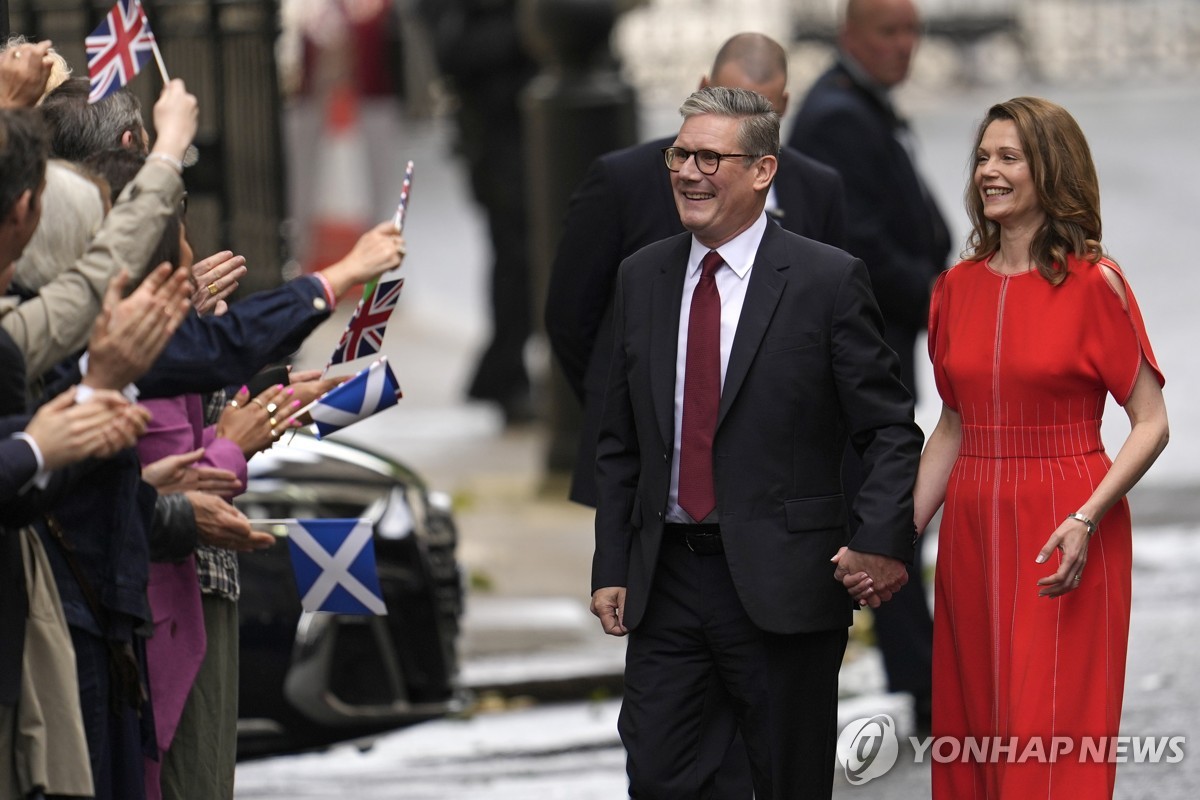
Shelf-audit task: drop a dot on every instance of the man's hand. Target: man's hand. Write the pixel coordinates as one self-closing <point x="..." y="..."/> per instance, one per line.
<point x="216" y="278"/>
<point x="176" y="119"/>
<point x="175" y="474"/>
<point x="376" y="251"/>
<point x="129" y="334"/>
<point x="24" y="70"/>
<point x="870" y="578"/>
<point x="609" y="605"/>
<point x="219" y="524"/>
<point x="67" y="432"/>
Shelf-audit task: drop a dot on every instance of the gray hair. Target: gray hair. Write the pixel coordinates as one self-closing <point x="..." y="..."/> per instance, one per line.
<point x="758" y="133"/>
<point x="78" y="128"/>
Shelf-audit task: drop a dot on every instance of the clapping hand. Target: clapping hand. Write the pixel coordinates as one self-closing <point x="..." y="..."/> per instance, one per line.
<point x="129" y="334"/>
<point x="175" y="473"/>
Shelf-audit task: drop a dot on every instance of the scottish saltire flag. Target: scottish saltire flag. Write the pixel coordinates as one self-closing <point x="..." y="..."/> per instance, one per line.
<point x="334" y="563"/>
<point x="364" y="334"/>
<point x="118" y="49"/>
<point x="370" y="391"/>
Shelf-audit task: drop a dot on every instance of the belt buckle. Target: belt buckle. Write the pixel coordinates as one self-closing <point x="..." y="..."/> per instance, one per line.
<point x="687" y="539"/>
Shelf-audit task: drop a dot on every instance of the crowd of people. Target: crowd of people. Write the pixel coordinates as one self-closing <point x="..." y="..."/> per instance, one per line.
<point x="738" y="319"/>
<point x="126" y="437"/>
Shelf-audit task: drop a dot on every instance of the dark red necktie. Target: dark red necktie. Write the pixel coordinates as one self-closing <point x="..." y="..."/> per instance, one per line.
<point x="701" y="394"/>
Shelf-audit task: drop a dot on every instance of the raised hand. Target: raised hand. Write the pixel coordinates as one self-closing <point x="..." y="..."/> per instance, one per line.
<point x="376" y="251"/>
<point x="129" y="334"/>
<point x="24" y="70"/>
<point x="176" y="119"/>
<point x="253" y="423"/>
<point x="216" y="278"/>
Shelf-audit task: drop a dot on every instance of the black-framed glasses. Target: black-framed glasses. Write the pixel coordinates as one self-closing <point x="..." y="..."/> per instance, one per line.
<point x="707" y="161"/>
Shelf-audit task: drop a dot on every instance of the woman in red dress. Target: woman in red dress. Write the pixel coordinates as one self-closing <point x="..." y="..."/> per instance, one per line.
<point x="1028" y="336"/>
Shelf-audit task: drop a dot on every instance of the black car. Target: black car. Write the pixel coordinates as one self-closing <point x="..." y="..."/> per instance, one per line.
<point x="310" y="679"/>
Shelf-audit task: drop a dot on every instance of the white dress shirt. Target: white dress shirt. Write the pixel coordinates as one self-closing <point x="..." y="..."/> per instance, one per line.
<point x="732" y="278"/>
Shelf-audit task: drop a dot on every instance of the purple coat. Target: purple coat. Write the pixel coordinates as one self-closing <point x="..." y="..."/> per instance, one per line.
<point x="175" y="652"/>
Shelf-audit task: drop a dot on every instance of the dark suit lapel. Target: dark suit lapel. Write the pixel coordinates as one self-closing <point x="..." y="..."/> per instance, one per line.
<point x="767" y="281"/>
<point x="665" y="301"/>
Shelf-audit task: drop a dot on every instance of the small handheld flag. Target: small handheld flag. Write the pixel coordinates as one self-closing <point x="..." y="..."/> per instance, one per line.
<point x="118" y="49"/>
<point x="365" y="331"/>
<point x="402" y="208"/>
<point x="370" y="391"/>
<point x="334" y="564"/>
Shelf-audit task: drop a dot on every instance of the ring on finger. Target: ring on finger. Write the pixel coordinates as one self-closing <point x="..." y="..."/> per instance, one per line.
<point x="234" y="404"/>
<point x="1078" y="577"/>
<point x="259" y="403"/>
<point x="212" y="288"/>
<point x="273" y="423"/>
<point x="271" y="409"/>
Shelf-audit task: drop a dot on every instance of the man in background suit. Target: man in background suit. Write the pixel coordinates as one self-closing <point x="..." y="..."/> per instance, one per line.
<point x="625" y="202"/>
<point x="848" y="122"/>
<point x="745" y="357"/>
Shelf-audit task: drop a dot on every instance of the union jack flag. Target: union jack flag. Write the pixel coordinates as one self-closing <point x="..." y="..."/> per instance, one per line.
<point x="118" y="49"/>
<point x="364" y="334"/>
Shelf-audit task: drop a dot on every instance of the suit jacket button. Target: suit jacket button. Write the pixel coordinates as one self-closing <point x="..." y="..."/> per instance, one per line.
<point x="319" y="303"/>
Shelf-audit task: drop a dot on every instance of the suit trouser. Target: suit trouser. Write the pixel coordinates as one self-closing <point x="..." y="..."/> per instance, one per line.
<point x="783" y="689"/>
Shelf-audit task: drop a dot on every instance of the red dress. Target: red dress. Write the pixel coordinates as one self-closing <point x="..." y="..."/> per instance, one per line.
<point x="1027" y="366"/>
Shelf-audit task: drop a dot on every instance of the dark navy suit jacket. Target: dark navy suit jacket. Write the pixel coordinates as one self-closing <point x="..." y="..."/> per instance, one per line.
<point x="624" y="203"/>
<point x="893" y="224"/>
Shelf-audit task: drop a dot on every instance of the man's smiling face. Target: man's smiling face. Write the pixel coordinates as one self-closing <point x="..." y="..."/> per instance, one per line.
<point x="717" y="207"/>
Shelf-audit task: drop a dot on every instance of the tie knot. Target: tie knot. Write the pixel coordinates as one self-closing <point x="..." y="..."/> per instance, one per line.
<point x="710" y="263"/>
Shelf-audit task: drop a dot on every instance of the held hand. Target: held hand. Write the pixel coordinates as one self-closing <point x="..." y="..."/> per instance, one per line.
<point x="609" y="605"/>
<point x="377" y="251"/>
<point x="176" y="119"/>
<point x="216" y="278"/>
<point x="860" y="585"/>
<point x="887" y="574"/>
<point x="1071" y="540"/>
<point x="24" y="70"/>
<point x="219" y="524"/>
<point x="129" y="334"/>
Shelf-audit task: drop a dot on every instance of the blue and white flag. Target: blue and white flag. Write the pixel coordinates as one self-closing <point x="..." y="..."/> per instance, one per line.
<point x="370" y="391"/>
<point x="334" y="563"/>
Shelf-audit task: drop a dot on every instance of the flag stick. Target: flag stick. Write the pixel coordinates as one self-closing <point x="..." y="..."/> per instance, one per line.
<point x="397" y="219"/>
<point x="158" y="59"/>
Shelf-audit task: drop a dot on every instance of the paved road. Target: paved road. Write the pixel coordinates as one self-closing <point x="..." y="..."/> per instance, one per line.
<point x="1144" y="145"/>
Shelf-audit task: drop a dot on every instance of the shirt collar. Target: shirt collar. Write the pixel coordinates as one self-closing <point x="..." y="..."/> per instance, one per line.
<point x="738" y="252"/>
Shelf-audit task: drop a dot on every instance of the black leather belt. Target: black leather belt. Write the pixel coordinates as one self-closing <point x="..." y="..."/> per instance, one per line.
<point x="703" y="540"/>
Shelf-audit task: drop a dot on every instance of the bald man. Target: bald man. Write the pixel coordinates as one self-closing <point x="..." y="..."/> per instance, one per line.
<point x="893" y="224"/>
<point x="625" y="202"/>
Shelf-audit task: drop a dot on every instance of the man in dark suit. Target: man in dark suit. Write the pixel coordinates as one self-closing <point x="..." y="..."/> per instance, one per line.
<point x="848" y="121"/>
<point x="744" y="359"/>
<point x="625" y="202"/>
